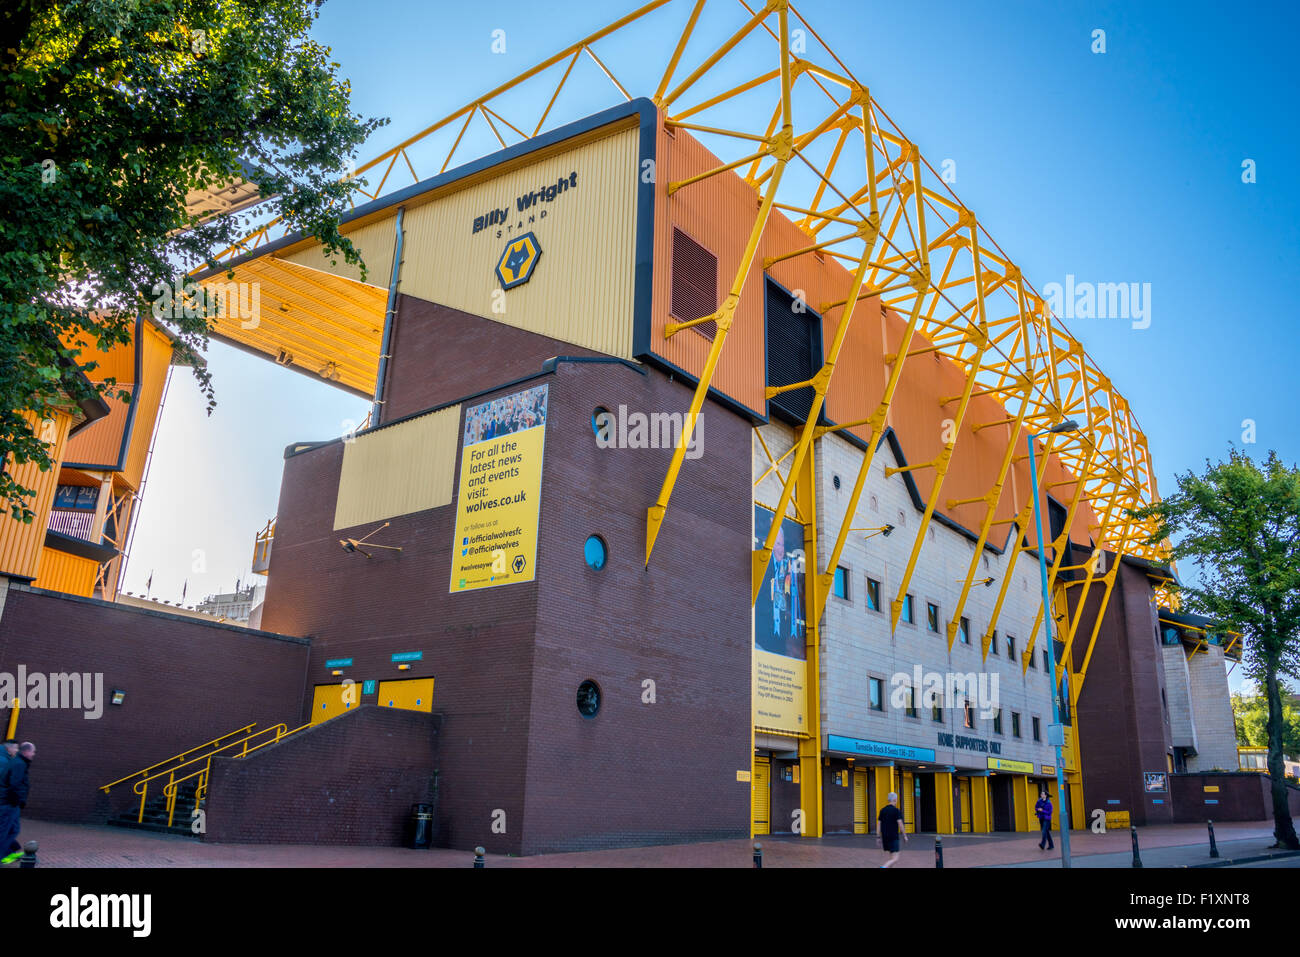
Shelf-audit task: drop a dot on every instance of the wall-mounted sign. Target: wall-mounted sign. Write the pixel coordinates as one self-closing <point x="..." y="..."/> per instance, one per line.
<point x="778" y="685"/>
<point x="1006" y="764"/>
<point x="965" y="743"/>
<point x="499" y="500"/>
<point x="878" y="749"/>
<point x="742" y="776"/>
<point x="1211" y="789"/>
<point x="1047" y="768"/>
<point x="1155" y="782"/>
<point x="338" y="662"/>
<point x="408" y="656"/>
<point x="368" y="687"/>
<point x="518" y="260"/>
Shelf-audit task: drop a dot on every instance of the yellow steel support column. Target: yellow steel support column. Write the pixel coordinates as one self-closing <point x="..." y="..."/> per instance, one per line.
<point x="820" y="383"/>
<point x="782" y="148"/>
<point x="1022" y="809"/>
<point x="13" y="718"/>
<point x="810" y="748"/>
<point x="981" y="807"/>
<point x="943" y="802"/>
<point x="884" y="782"/>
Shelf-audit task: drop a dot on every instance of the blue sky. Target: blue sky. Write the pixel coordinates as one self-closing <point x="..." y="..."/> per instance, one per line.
<point x="1122" y="166"/>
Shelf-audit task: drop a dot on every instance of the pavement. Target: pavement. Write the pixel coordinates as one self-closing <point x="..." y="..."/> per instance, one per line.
<point x="1175" y="845"/>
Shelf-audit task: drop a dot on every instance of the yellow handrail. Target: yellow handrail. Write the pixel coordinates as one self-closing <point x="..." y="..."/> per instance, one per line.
<point x="245" y="729"/>
<point x="141" y="787"/>
<point x="172" y="788"/>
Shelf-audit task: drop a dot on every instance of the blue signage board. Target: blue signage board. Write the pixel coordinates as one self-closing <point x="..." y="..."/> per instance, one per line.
<point x="338" y="663"/>
<point x="878" y="749"/>
<point x="368" y="687"/>
<point x="408" y="656"/>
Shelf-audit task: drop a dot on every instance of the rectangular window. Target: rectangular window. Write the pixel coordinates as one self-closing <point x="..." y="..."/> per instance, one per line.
<point x="1015" y="724"/>
<point x="842" y="582"/>
<point x="1037" y="731"/>
<point x="877" y="691"/>
<point x="694" y="293"/>
<point x="1033" y="662"/>
<point x="932" y="616"/>
<point x="907" y="609"/>
<point x="993" y="645"/>
<point x="936" y="713"/>
<point x="1045" y="663"/>
<point x="909" y="702"/>
<point x="997" y="721"/>
<point x="1011" y="647"/>
<point x="968" y="717"/>
<point x="964" y="631"/>
<point x="873" y="595"/>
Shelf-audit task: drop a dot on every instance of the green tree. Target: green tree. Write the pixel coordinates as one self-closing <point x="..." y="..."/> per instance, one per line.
<point x="1252" y="722"/>
<point x="1240" y="525"/>
<point x="111" y="112"/>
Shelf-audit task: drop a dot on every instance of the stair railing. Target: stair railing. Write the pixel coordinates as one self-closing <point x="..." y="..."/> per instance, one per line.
<point x="172" y="788"/>
<point x="142" y="786"/>
<point x="182" y="757"/>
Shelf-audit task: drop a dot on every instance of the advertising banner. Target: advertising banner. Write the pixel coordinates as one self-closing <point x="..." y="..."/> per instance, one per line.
<point x="499" y="494"/>
<point x="779" y="689"/>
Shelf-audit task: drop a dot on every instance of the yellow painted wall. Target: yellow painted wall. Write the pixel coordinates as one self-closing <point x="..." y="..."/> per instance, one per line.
<point x="67" y="573"/>
<point x="404" y="468"/>
<point x="21" y="545"/>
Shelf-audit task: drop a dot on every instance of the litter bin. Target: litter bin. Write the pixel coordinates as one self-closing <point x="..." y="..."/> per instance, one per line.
<point x="421" y="826"/>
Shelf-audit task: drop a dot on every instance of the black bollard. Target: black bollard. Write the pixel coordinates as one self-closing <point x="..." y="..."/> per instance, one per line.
<point x="758" y="855"/>
<point x="1137" y="861"/>
<point x="478" y="856"/>
<point x="29" y="855"/>
<point x="1214" y="848"/>
<point x="938" y="852"/>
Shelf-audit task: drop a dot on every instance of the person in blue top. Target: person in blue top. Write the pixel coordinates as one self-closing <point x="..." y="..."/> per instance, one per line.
<point x="1044" y="811"/>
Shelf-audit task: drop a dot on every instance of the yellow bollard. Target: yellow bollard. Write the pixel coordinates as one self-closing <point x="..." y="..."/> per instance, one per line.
<point x="13" y="718"/>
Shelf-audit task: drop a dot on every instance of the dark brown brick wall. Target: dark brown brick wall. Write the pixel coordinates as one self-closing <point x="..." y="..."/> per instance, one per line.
<point x="1123" y="724"/>
<point x="837" y="800"/>
<point x="640" y="772"/>
<point x="1246" y="796"/>
<point x="350" y="780"/>
<point x="186" y="682"/>
<point x="507" y="661"/>
<point x="442" y="354"/>
<point x="785" y="798"/>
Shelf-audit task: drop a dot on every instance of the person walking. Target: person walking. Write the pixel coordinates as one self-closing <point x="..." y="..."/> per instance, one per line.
<point x="13" y="798"/>
<point x="1044" y="811"/>
<point x="891" y="826"/>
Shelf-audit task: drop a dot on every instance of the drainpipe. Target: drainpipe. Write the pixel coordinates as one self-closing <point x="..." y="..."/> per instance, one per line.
<point x="389" y="313"/>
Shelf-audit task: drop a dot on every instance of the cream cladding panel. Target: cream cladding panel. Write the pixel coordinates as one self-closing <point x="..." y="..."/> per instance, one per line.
<point x="581" y="289"/>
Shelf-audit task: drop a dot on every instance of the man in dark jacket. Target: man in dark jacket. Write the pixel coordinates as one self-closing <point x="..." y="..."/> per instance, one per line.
<point x="1044" y="811"/>
<point x="13" y="798"/>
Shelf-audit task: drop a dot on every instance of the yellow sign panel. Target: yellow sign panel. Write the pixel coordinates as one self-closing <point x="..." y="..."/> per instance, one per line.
<point x="499" y="493"/>
<point x="742" y="776"/>
<point x="1212" y="788"/>
<point x="1006" y="764"/>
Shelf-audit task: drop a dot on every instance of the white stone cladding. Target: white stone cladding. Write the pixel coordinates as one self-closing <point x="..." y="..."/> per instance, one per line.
<point x="856" y="644"/>
<point x="1211" y="707"/>
<point x="1182" y="723"/>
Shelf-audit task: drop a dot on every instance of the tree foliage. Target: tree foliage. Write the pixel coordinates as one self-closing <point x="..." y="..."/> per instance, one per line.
<point x="111" y="112"/>
<point x="1240" y="524"/>
<point x="1251" y="713"/>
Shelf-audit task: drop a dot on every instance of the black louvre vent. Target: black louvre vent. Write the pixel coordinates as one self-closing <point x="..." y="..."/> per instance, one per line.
<point x="793" y="352"/>
<point x="695" y="283"/>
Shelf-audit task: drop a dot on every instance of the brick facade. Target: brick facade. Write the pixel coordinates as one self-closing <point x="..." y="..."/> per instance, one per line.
<point x="352" y="780"/>
<point x="507" y="661"/>
<point x="186" y="682"/>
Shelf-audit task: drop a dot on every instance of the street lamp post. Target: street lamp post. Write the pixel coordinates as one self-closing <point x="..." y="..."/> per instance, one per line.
<point x="1058" y="731"/>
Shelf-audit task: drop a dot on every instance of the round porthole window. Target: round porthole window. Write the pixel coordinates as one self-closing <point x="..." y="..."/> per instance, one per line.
<point x="595" y="552"/>
<point x="588" y="699"/>
<point x="602" y="422"/>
